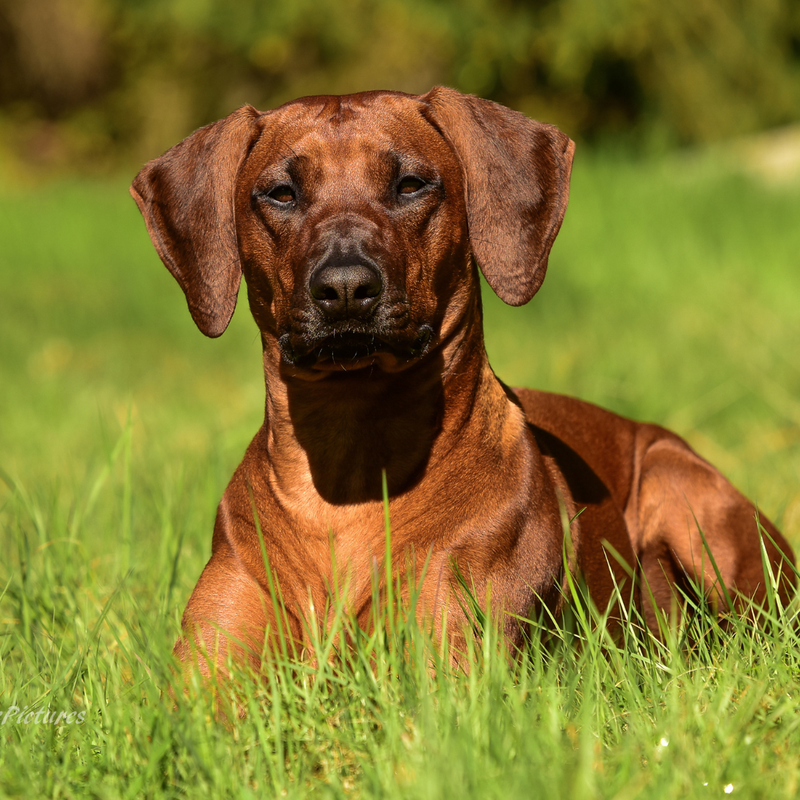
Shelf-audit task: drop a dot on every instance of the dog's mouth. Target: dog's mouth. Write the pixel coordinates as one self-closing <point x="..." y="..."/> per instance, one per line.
<point x="353" y="350"/>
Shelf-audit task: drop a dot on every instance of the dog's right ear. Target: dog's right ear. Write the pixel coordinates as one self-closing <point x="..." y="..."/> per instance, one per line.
<point x="186" y="199"/>
<point x="517" y="184"/>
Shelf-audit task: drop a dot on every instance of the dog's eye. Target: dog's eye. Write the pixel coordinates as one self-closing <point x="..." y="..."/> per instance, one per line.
<point x="282" y="195"/>
<point x="410" y="185"/>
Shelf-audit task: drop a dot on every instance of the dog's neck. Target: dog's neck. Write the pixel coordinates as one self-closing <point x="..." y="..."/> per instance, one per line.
<point x="340" y="433"/>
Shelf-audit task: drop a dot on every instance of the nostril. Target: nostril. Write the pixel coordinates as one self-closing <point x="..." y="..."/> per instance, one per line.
<point x="324" y="293"/>
<point x="323" y="286"/>
<point x="368" y="290"/>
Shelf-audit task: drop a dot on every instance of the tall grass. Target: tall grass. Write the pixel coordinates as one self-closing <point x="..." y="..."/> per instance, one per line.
<point x="671" y="297"/>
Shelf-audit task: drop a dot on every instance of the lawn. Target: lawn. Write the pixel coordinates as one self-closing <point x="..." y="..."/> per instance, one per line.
<point x="671" y="297"/>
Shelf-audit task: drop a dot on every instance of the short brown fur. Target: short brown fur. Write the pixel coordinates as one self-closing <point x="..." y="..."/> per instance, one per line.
<point x="359" y="224"/>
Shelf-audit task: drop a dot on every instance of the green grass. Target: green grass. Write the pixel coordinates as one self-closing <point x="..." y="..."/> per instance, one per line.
<point x="672" y="297"/>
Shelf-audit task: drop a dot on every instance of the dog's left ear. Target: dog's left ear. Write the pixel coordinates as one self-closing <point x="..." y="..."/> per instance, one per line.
<point x="186" y="199"/>
<point x="517" y="182"/>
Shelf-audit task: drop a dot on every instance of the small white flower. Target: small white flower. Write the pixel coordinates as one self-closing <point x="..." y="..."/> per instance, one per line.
<point x="729" y="788"/>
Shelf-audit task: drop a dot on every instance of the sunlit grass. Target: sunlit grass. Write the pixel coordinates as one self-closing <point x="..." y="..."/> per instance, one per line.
<point x="671" y="296"/>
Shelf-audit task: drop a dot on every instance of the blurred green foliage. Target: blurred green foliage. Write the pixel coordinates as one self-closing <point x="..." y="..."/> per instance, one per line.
<point x="101" y="84"/>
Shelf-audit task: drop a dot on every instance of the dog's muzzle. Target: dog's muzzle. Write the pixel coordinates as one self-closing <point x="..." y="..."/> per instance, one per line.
<point x="350" y="318"/>
<point x="354" y="347"/>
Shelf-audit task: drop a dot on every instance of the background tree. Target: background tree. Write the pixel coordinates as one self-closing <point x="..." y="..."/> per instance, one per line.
<point x="98" y="84"/>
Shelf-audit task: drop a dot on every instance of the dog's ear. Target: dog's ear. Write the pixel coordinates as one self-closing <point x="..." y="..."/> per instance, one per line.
<point x="186" y="199"/>
<point x="517" y="182"/>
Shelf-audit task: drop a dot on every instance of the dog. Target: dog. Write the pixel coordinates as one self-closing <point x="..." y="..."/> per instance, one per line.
<point x="360" y="224"/>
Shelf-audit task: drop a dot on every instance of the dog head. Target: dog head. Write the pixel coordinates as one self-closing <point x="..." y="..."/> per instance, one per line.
<point x="357" y="220"/>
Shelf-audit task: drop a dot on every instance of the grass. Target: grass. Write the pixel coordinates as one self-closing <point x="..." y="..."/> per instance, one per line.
<point x="671" y="297"/>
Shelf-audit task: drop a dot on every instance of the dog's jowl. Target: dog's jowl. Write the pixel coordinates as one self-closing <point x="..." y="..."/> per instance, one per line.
<point x="360" y="224"/>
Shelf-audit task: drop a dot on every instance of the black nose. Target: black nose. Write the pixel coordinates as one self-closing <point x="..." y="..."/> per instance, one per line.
<point x="347" y="291"/>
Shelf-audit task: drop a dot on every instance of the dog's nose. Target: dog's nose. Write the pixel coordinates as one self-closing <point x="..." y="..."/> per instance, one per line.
<point x="345" y="291"/>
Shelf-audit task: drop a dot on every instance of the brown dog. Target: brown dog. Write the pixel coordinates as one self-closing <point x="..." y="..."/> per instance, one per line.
<point x="359" y="223"/>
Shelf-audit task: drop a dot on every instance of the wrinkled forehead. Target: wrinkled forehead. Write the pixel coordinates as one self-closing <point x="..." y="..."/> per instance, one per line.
<point x="364" y="133"/>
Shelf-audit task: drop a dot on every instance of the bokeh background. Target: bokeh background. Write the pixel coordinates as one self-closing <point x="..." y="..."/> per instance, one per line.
<point x="672" y="290"/>
<point x="93" y="85"/>
<point x="672" y="286"/>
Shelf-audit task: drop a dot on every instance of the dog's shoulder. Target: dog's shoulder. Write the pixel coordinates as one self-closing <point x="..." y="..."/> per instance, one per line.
<point x="583" y="437"/>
